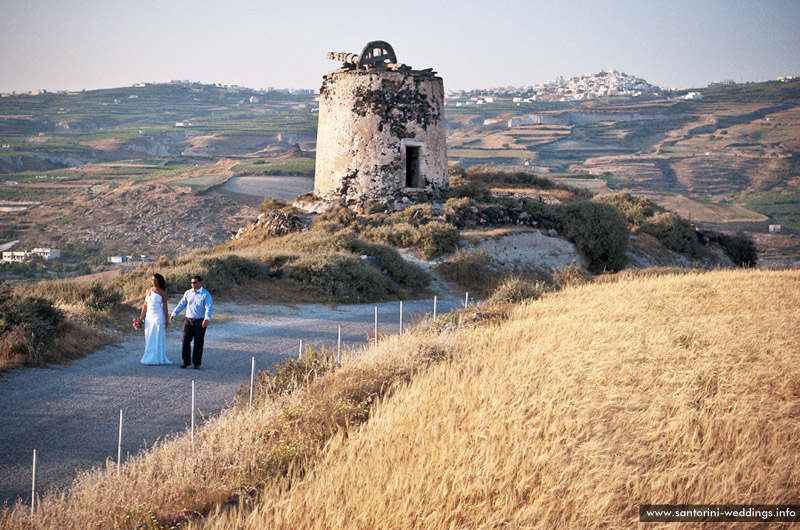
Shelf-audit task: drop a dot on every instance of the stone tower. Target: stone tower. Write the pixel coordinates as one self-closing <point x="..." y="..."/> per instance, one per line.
<point x="381" y="131"/>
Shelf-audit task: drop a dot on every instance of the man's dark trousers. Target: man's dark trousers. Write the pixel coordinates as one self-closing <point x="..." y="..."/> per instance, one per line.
<point x="193" y="329"/>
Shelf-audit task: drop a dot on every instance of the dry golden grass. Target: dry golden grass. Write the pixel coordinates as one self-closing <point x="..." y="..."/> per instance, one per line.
<point x="580" y="407"/>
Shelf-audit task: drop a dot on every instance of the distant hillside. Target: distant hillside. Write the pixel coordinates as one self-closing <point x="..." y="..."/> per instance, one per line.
<point x="728" y="161"/>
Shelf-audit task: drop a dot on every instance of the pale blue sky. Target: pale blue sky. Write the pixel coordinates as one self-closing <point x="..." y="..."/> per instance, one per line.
<point x="75" y="44"/>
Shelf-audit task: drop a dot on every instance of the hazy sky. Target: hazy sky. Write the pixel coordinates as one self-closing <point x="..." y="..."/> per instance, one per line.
<point x="75" y="44"/>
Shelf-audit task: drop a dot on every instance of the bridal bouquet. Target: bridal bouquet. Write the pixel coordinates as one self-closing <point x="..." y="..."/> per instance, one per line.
<point x="138" y="323"/>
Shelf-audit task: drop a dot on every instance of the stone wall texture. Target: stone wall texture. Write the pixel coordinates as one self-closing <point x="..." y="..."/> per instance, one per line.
<point x="367" y="120"/>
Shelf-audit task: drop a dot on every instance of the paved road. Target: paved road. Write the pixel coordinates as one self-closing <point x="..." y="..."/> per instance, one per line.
<point x="70" y="414"/>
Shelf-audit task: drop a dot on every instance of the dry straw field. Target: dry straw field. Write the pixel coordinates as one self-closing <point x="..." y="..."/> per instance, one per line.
<point x="585" y="404"/>
<point x="568" y="414"/>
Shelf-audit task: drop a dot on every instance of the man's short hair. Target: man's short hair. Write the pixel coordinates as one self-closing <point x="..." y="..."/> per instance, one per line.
<point x="198" y="278"/>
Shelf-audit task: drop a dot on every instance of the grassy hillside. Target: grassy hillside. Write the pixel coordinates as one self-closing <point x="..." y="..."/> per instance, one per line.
<point x="582" y="406"/>
<point x="568" y="414"/>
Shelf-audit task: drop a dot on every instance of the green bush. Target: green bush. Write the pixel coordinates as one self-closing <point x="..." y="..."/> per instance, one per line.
<point x="599" y="231"/>
<point x="672" y="231"/>
<point x="339" y="277"/>
<point x="472" y="189"/>
<point x="515" y="289"/>
<point x="341" y="215"/>
<point x="403" y="273"/>
<point x="635" y="209"/>
<point x="437" y="239"/>
<point x="740" y="248"/>
<point x="541" y="209"/>
<point x="402" y="235"/>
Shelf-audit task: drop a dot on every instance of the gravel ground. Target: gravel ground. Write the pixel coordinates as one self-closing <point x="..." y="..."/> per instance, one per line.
<point x="70" y="414"/>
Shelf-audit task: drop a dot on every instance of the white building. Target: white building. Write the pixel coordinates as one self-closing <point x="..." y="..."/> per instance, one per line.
<point x="47" y="253"/>
<point x="774" y="229"/>
<point x="693" y="95"/>
<point x="23" y="256"/>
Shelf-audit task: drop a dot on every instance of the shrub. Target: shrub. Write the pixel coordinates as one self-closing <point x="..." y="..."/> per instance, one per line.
<point x="437" y="239"/>
<point x="403" y="273"/>
<point x="461" y="203"/>
<point x="635" y="209"/>
<point x="339" y="277"/>
<point x="515" y="289"/>
<point x="403" y="235"/>
<point x="473" y="189"/>
<point x="456" y="173"/>
<point x="341" y="215"/>
<point x="471" y="270"/>
<point x="27" y="324"/>
<point x="740" y="248"/>
<point x="94" y="295"/>
<point x="371" y="206"/>
<point x="218" y="274"/>
<point x="425" y="210"/>
<point x="672" y="231"/>
<point x="540" y="209"/>
<point x="599" y="231"/>
<point x="572" y="274"/>
<point x="269" y="204"/>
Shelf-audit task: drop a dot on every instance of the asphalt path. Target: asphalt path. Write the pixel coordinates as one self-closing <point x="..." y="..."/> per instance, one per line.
<point x="70" y="413"/>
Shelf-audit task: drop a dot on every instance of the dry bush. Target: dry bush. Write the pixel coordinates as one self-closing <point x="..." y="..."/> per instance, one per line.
<point x="578" y="409"/>
<point x="471" y="270"/>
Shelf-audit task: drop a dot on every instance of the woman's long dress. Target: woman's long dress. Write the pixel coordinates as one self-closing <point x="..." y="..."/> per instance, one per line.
<point x="155" y="338"/>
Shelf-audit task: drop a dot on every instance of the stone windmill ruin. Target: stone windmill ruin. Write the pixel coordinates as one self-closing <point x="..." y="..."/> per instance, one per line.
<point x="381" y="132"/>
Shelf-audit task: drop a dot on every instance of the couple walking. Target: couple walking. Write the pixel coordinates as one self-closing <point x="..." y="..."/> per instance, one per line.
<point x="197" y="302"/>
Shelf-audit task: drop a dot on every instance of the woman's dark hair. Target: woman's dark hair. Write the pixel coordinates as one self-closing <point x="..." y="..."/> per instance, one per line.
<point x="161" y="281"/>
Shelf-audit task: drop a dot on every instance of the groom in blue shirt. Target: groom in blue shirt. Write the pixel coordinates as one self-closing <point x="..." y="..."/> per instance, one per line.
<point x="198" y="303"/>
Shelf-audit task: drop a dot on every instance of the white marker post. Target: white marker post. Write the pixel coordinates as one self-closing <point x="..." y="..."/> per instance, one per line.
<point x="339" y="346"/>
<point x="193" y="411"/>
<point x="33" y="484"/>
<point x="434" y="309"/>
<point x="376" y="325"/>
<point x="401" y="317"/>
<point x="300" y="355"/>
<point x="466" y="299"/>
<point x="119" y="444"/>
<point x="252" y="380"/>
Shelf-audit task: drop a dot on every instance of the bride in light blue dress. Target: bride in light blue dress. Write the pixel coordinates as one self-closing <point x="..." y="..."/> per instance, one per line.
<point x="154" y="314"/>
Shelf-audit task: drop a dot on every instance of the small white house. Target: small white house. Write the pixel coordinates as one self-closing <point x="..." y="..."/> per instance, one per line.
<point x="693" y="95"/>
<point x="118" y="259"/>
<point x="47" y="253"/>
<point x="774" y="229"/>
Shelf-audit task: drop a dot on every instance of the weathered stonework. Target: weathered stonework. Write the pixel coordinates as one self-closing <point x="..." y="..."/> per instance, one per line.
<point x="381" y="132"/>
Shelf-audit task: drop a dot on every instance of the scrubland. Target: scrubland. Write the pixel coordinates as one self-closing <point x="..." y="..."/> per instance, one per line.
<point x="567" y="412"/>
